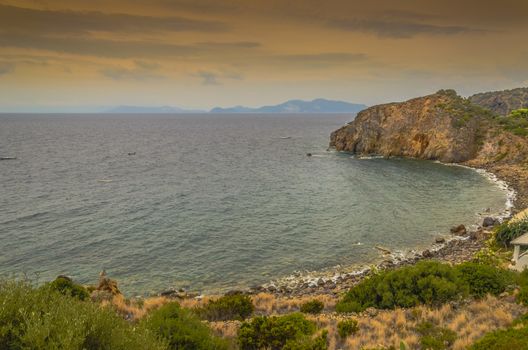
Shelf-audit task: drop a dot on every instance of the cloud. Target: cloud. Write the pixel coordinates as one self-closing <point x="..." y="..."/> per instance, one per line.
<point x="321" y="59"/>
<point x="6" y="68"/>
<point x="69" y="22"/>
<point x="116" y="48"/>
<point x="213" y="78"/>
<point x="208" y="78"/>
<point x="396" y="29"/>
<point x="141" y="71"/>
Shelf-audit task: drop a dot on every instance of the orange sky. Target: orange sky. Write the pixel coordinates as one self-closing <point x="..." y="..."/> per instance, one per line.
<point x="83" y="55"/>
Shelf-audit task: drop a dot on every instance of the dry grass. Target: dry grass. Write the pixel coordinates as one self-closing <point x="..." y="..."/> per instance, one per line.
<point x="269" y="304"/>
<point x="135" y="309"/>
<point x="386" y="328"/>
<point x="389" y="328"/>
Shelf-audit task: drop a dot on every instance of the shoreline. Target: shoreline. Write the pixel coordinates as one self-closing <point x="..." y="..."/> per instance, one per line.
<point x="334" y="281"/>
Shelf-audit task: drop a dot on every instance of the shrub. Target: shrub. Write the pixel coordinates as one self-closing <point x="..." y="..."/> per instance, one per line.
<point x="434" y="337"/>
<point x="522" y="281"/>
<point x="181" y="329"/>
<point x="504" y="339"/>
<point x="228" y="307"/>
<point x="291" y="331"/>
<point x="427" y="282"/>
<point x="43" y="318"/>
<point x="484" y="279"/>
<point x="312" y="307"/>
<point x="65" y="286"/>
<point x="346" y="328"/>
<point x="506" y="232"/>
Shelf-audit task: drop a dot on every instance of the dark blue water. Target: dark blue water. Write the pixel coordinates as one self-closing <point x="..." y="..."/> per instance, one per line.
<point x="211" y="201"/>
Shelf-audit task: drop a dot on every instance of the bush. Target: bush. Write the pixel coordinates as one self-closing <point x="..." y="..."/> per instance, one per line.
<point x="312" y="307"/>
<point x="506" y="232"/>
<point x="46" y="319"/>
<point x="228" y="307"/>
<point x="484" y="279"/>
<point x="66" y="286"/>
<point x="522" y="281"/>
<point x="427" y="282"/>
<point x="346" y="328"/>
<point x="504" y="339"/>
<point x="181" y="329"/>
<point x="434" y="337"/>
<point x="291" y="331"/>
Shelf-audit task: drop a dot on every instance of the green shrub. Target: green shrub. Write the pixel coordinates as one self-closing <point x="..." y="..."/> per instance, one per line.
<point x="291" y="331"/>
<point x="312" y="307"/>
<point x="66" y="286"/>
<point x="46" y="319"/>
<point x="346" y="328"/>
<point x="506" y="232"/>
<point x="504" y="339"/>
<point x="522" y="281"/>
<point x="181" y="329"/>
<point x="228" y="307"/>
<point x="427" y="282"/>
<point x="484" y="279"/>
<point x="434" y="337"/>
<point x="308" y="343"/>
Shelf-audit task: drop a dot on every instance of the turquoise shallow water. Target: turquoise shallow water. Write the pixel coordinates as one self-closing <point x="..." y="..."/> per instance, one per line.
<point x="210" y="202"/>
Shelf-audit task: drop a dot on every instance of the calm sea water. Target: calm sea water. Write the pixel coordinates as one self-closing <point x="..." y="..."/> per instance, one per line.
<point x="210" y="202"/>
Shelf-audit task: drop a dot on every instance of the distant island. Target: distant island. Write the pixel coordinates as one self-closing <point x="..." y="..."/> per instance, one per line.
<point x="319" y="105"/>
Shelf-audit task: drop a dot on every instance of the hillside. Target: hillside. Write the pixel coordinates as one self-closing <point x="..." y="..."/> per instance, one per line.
<point x="502" y="102"/>
<point x="298" y="106"/>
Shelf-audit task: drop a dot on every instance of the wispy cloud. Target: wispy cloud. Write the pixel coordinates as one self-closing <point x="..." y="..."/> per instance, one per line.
<point x="116" y="48"/>
<point x="74" y="22"/>
<point x="141" y="71"/>
<point x="321" y="59"/>
<point x="208" y="78"/>
<point x="215" y="77"/>
<point x="6" y="68"/>
<point x="396" y="29"/>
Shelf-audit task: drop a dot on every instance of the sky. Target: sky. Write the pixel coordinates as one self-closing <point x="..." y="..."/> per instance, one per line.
<point x="73" y="55"/>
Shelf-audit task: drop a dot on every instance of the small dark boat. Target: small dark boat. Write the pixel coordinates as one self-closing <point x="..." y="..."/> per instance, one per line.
<point x="7" y="158"/>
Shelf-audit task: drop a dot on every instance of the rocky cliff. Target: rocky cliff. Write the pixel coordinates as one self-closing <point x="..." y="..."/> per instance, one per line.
<point x="442" y="126"/>
<point x="502" y="102"/>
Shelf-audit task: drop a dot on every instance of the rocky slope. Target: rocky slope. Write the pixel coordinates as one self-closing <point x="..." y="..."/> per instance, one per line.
<point x="502" y="102"/>
<point x="442" y="126"/>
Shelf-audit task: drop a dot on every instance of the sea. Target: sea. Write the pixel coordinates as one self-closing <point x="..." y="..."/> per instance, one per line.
<point x="212" y="202"/>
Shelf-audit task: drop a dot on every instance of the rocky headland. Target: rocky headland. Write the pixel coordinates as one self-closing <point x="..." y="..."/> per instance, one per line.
<point x="444" y="127"/>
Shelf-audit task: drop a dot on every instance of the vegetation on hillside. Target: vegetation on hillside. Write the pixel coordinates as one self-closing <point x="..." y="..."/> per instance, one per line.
<point x="516" y="122"/>
<point x="43" y="318"/>
<point x="293" y="332"/>
<point x="508" y="231"/>
<point x="428" y="282"/>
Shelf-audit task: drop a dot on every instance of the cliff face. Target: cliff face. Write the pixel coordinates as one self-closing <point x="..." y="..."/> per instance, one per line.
<point x="441" y="126"/>
<point x="502" y="102"/>
<point x="444" y="127"/>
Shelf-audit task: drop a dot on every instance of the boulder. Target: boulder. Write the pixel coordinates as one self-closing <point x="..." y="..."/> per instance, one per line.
<point x="489" y="221"/>
<point x="459" y="230"/>
<point x="440" y="240"/>
<point x="427" y="254"/>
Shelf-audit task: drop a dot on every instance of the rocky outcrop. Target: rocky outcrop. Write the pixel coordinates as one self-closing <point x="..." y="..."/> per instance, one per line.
<point x="502" y="102"/>
<point x="442" y="126"/>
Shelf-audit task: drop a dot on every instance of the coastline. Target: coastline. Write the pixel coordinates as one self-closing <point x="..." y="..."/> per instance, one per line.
<point x="334" y="281"/>
<point x="454" y="249"/>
